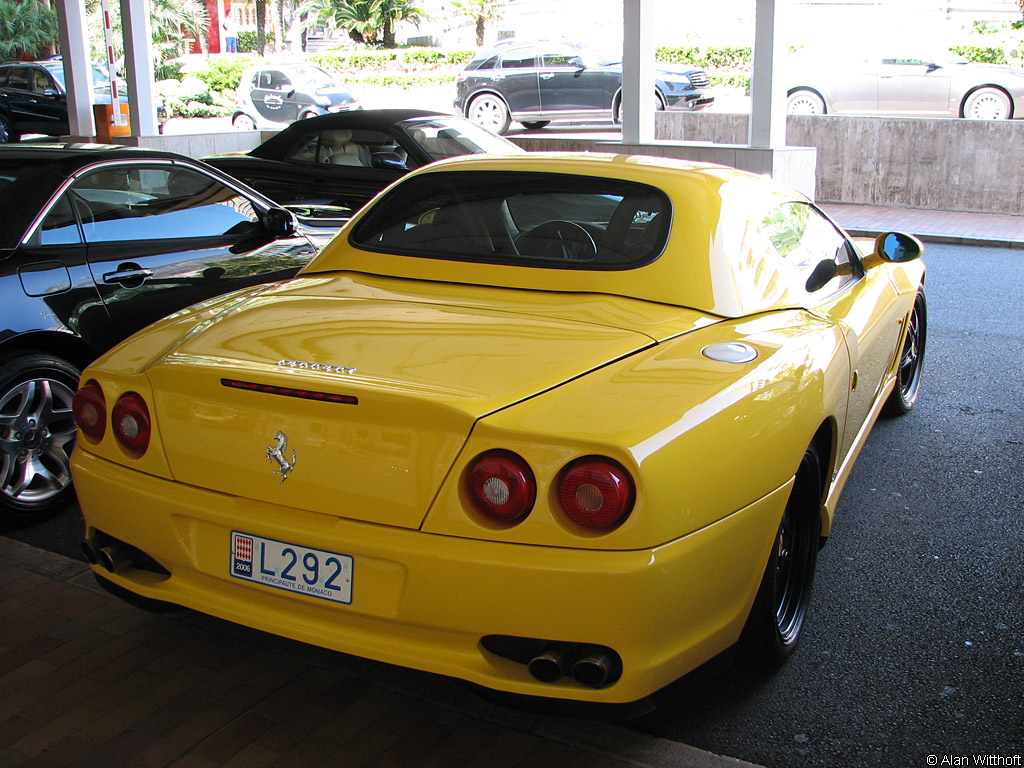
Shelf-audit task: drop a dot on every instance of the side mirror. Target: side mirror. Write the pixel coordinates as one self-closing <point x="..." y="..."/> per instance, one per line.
<point x="279" y="222"/>
<point x="824" y="271"/>
<point x="897" y="247"/>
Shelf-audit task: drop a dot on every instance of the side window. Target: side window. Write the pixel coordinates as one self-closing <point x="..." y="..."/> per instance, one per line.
<point x="518" y="60"/>
<point x="60" y="227"/>
<point x="18" y="79"/>
<point x="43" y="82"/>
<point x="803" y="238"/>
<point x="491" y="63"/>
<point x="156" y="203"/>
<point x="561" y="58"/>
<point x="279" y="81"/>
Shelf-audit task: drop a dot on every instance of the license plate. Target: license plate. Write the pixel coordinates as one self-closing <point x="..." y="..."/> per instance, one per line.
<point x="312" y="572"/>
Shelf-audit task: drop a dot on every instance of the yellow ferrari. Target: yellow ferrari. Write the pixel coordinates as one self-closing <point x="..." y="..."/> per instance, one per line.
<point x="559" y="425"/>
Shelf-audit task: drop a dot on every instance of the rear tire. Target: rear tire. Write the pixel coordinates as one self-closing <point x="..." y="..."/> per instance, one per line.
<point x="243" y="122"/>
<point x="7" y="132"/>
<point x="489" y="111"/>
<point x="37" y="434"/>
<point x="780" y="608"/>
<point x="805" y="102"/>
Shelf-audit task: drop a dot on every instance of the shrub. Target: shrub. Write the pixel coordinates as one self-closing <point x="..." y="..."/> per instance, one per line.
<point x="223" y="73"/>
<point x="191" y="97"/>
<point x="247" y="40"/>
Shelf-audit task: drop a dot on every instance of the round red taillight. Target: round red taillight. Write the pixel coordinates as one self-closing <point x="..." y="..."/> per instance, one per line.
<point x="130" y="423"/>
<point x="501" y="486"/>
<point x="90" y="410"/>
<point x="596" y="492"/>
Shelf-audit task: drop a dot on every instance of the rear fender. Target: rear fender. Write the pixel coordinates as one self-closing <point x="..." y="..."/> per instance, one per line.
<point x="702" y="439"/>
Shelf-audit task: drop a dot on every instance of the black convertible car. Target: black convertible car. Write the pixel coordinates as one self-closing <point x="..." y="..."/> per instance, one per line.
<point x="345" y="159"/>
<point x="95" y="243"/>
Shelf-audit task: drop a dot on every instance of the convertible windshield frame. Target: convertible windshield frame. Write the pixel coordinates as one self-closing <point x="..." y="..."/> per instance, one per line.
<point x="520" y="218"/>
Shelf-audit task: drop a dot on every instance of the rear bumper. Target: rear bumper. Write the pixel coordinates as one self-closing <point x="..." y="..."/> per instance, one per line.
<point x="426" y="601"/>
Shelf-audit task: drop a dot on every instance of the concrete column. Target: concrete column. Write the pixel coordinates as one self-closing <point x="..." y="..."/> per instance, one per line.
<point x="77" y="68"/>
<point x="767" y="89"/>
<point x="638" y="71"/>
<point x="138" y="58"/>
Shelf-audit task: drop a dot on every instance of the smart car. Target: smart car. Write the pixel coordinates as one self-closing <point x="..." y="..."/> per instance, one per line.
<point x="272" y="96"/>
<point x="566" y="426"/>
<point x="96" y="242"/>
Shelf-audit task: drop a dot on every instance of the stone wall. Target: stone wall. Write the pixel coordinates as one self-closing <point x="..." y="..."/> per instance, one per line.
<point x="951" y="165"/>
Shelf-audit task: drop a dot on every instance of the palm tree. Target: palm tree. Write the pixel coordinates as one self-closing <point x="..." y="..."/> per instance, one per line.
<point x="391" y="12"/>
<point x="173" y="24"/>
<point x="27" y="29"/>
<point x="480" y="11"/>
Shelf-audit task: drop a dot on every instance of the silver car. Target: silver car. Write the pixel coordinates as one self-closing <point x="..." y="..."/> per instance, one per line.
<point x="903" y="85"/>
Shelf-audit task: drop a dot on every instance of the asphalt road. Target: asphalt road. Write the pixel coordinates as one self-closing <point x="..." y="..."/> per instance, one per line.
<point x="915" y="644"/>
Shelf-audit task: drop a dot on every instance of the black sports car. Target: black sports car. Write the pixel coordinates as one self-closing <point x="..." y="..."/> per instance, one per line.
<point x="345" y="159"/>
<point x="95" y="243"/>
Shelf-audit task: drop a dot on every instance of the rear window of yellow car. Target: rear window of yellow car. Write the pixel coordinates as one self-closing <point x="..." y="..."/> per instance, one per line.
<point x="552" y="221"/>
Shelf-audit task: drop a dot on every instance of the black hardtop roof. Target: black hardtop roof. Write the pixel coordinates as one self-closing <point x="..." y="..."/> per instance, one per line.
<point x="371" y="119"/>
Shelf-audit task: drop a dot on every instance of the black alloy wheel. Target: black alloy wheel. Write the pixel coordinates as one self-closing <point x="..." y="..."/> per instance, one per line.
<point x="911" y="365"/>
<point x="37" y="434"/>
<point x="780" y="609"/>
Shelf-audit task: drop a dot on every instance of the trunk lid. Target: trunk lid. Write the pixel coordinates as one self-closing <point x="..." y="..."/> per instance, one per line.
<point x="353" y="403"/>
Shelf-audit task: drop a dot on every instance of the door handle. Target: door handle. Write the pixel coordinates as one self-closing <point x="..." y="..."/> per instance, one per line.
<point x="547" y="75"/>
<point x="127" y="274"/>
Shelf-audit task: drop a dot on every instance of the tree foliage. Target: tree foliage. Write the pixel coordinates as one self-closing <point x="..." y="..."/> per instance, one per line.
<point x="27" y="29"/>
<point x="366" y="21"/>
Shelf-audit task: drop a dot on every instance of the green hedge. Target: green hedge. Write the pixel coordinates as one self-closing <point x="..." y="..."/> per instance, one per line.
<point x="709" y="57"/>
<point x="247" y="40"/>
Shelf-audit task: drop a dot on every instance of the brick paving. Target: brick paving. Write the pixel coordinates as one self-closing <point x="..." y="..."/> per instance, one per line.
<point x="89" y="681"/>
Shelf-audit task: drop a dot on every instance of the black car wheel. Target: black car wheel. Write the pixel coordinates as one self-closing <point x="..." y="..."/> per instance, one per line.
<point x="489" y="111"/>
<point x="7" y="134"/>
<point x="908" y="382"/>
<point x="777" y="618"/>
<point x="37" y="433"/>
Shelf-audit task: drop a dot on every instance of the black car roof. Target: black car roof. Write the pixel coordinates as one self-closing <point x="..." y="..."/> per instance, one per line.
<point x="51" y="164"/>
<point x="367" y="119"/>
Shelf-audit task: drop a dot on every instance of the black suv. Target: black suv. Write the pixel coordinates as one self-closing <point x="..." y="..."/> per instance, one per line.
<point x="33" y="98"/>
<point x="535" y="83"/>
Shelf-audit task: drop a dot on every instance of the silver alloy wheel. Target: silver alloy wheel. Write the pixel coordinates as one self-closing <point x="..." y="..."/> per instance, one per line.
<point x="244" y="123"/>
<point x="489" y="112"/>
<point x="804" y="102"/>
<point x="37" y="433"/>
<point x="987" y="104"/>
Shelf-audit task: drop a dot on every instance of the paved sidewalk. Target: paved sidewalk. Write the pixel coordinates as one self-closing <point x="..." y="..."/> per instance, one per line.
<point x="87" y="681"/>
<point x="955" y="227"/>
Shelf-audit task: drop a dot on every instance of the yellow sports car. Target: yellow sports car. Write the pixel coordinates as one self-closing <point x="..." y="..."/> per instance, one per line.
<point x="560" y="425"/>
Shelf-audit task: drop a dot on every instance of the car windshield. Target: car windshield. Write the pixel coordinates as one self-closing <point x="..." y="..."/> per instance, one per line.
<point x="314" y="78"/>
<point x="520" y="218"/>
<point x="442" y="138"/>
<point x="100" y="80"/>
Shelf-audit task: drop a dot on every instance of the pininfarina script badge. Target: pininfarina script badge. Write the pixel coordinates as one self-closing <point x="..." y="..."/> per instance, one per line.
<point x="305" y="365"/>
<point x="275" y="453"/>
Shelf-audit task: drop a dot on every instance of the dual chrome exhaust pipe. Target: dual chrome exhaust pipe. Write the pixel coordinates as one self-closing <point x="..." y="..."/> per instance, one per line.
<point x="593" y="666"/>
<point x="110" y="553"/>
